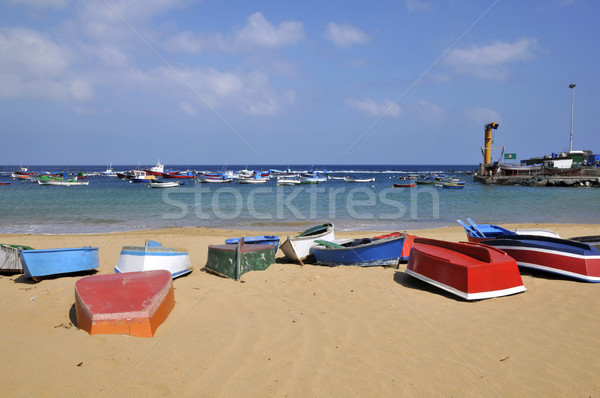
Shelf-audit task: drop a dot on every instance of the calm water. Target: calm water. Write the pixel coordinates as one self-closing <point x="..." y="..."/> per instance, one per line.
<point x="110" y="204"/>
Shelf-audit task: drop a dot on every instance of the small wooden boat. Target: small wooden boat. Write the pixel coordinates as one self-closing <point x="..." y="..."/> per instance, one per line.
<point x="288" y="181"/>
<point x="5" y="183"/>
<point x="47" y="262"/>
<point x="164" y="184"/>
<point x="256" y="240"/>
<point x="154" y="256"/>
<point x="213" y="178"/>
<point x="66" y="183"/>
<point x="560" y="256"/>
<point x="234" y="260"/>
<point x="482" y="232"/>
<point x="134" y="303"/>
<point x="10" y="258"/>
<point x="257" y="179"/>
<point x="155" y="170"/>
<point x="366" y="252"/>
<point x="405" y="183"/>
<point x="452" y="185"/>
<point x="179" y="175"/>
<point x="471" y="271"/>
<point x="356" y="179"/>
<point x="297" y="248"/>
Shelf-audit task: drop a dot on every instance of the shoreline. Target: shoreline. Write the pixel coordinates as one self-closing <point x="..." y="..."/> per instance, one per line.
<point x="304" y="331"/>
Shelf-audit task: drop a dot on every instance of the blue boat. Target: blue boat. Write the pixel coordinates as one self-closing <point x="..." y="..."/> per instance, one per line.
<point x="263" y="240"/>
<point x="479" y="232"/>
<point x="47" y="262"/>
<point x="365" y="252"/>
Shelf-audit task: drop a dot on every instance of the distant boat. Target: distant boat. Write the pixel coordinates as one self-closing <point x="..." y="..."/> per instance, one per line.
<point x="10" y="258"/>
<point x="154" y="256"/>
<point x="179" y="174"/>
<point x="364" y="252"/>
<point x="163" y="184"/>
<point x="257" y="179"/>
<point x="406" y="182"/>
<point x="109" y="172"/>
<point x="155" y="170"/>
<point x="312" y="178"/>
<point x="560" y="256"/>
<point x="288" y="181"/>
<point x="297" y="248"/>
<point x="453" y="185"/>
<point x="213" y="178"/>
<point x="234" y="260"/>
<point x="255" y="240"/>
<point x="48" y="262"/>
<point x="5" y="183"/>
<point x="356" y="179"/>
<point x="64" y="181"/>
<point x="469" y="270"/>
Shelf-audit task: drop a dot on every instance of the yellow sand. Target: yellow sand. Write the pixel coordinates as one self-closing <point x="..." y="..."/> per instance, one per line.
<point x="311" y="331"/>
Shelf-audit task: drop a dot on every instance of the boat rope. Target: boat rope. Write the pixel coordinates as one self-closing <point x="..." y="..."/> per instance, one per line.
<point x="126" y="372"/>
<point x="436" y="334"/>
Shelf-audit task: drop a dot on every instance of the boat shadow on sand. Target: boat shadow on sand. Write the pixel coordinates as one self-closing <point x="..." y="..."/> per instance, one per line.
<point x="409" y="282"/>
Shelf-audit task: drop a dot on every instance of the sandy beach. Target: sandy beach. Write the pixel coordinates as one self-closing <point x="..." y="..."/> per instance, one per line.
<point x="304" y="331"/>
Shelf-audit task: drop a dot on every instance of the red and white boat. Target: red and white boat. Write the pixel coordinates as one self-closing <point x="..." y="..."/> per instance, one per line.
<point x="561" y="256"/>
<point x="471" y="271"/>
<point x="156" y="170"/>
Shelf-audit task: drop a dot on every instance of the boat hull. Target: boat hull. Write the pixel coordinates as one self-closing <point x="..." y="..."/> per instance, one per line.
<point x="373" y="252"/>
<point x="560" y="256"/>
<point x="41" y="263"/>
<point x="257" y="240"/>
<point x="134" y="304"/>
<point x="297" y="248"/>
<point x="144" y="258"/>
<point x="468" y="270"/>
<point x="234" y="260"/>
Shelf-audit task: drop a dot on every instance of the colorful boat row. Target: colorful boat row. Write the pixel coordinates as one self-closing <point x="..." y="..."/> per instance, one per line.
<point x="139" y="296"/>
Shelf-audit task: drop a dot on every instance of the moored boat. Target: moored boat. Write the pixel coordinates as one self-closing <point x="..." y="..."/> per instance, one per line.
<point x="155" y="170"/>
<point x="560" y="256"/>
<point x="153" y="256"/>
<point x="471" y="271"/>
<point x="297" y="248"/>
<point x="257" y="179"/>
<point x="288" y="181"/>
<point x="356" y="179"/>
<point x="164" y="184"/>
<point x="48" y="262"/>
<point x="366" y="252"/>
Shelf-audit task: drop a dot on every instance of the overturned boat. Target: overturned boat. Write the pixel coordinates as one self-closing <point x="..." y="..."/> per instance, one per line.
<point x="153" y="256"/>
<point x="297" y="248"/>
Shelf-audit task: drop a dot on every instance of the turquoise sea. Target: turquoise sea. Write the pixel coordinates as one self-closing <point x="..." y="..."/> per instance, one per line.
<point x="109" y="204"/>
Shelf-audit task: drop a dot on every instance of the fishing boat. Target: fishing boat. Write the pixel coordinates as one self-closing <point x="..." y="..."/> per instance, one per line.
<point x="452" y="185"/>
<point x="134" y="303"/>
<point x="179" y="174"/>
<point x="406" y="182"/>
<point x="5" y="183"/>
<point x="256" y="179"/>
<point x="164" y="184"/>
<point x="471" y="271"/>
<point x="287" y="181"/>
<point x="297" y="248"/>
<point x="213" y="178"/>
<point x="356" y="179"/>
<point x="560" y="256"/>
<point x="40" y="263"/>
<point x="312" y="178"/>
<point x="482" y="232"/>
<point x="10" y="258"/>
<point x="334" y="178"/>
<point x="256" y="240"/>
<point x="62" y="181"/>
<point x="153" y="256"/>
<point x="155" y="170"/>
<point x="109" y="172"/>
<point x="366" y="252"/>
<point x="234" y="260"/>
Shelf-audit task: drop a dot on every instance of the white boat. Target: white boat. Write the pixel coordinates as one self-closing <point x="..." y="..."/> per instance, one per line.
<point x="334" y="178"/>
<point x="109" y="172"/>
<point x="156" y="170"/>
<point x="297" y="248"/>
<point x="356" y="179"/>
<point x="288" y="181"/>
<point x="536" y="232"/>
<point x="252" y="180"/>
<point x="153" y="256"/>
<point x="164" y="184"/>
<point x="66" y="183"/>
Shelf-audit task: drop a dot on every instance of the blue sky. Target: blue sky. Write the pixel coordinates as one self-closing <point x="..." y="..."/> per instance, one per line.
<point x="311" y="82"/>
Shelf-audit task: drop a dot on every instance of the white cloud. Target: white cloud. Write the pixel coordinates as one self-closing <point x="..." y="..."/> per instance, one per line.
<point x="374" y="108"/>
<point x="482" y="116"/>
<point x="345" y="35"/>
<point x="491" y="61"/>
<point x="259" y="32"/>
<point x="412" y="5"/>
<point x="187" y="108"/>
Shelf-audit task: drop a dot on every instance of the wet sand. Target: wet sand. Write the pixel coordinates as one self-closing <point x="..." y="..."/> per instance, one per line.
<point x="304" y="331"/>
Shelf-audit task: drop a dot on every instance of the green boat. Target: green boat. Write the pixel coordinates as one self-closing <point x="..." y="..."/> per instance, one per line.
<point x="10" y="258"/>
<point x="234" y="260"/>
